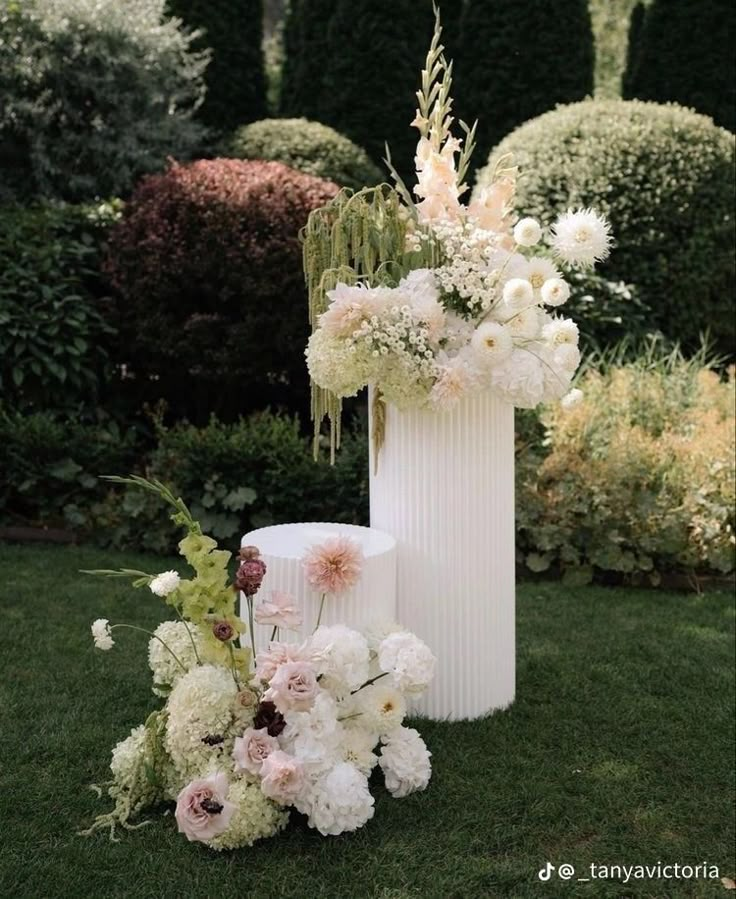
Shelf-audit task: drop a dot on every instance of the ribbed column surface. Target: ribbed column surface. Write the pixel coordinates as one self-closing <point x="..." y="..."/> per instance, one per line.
<point x="444" y="489"/>
<point x="373" y="599"/>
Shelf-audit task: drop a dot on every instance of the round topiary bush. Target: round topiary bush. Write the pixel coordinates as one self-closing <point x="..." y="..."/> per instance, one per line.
<point x="307" y="147"/>
<point x="207" y="266"/>
<point x="664" y="177"/>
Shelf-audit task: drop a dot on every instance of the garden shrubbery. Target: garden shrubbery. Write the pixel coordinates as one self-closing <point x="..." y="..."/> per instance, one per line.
<point x="664" y="177"/>
<point x="307" y="147"/>
<point x="206" y="263"/>
<point x="95" y="93"/>
<point x="56" y="340"/>
<point x="636" y="480"/>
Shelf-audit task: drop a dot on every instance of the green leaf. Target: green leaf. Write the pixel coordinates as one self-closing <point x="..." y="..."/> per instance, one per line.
<point x="239" y="498"/>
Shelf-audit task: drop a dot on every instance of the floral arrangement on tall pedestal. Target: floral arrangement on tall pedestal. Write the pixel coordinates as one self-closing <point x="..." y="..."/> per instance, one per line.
<point x="449" y="313"/>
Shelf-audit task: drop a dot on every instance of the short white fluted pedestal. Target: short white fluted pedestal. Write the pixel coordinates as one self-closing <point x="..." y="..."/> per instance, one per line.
<point x="373" y="599"/>
<point x="444" y="488"/>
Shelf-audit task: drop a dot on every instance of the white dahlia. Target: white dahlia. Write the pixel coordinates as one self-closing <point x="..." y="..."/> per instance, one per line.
<point x="339" y="801"/>
<point x="405" y="762"/>
<point x="381" y="708"/>
<point x="408" y="660"/>
<point x="581" y="238"/>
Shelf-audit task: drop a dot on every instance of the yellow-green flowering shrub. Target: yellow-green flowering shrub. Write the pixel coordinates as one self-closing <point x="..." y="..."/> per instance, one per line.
<point x="638" y="479"/>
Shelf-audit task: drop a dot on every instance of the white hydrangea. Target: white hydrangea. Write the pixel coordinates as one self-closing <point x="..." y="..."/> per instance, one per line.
<point x="357" y="748"/>
<point x="255" y="817"/>
<point x="165" y="583"/>
<point x="581" y="238"/>
<point x="408" y="660"/>
<point x="377" y="629"/>
<point x="342" y="657"/>
<point x="339" y="801"/>
<point x="335" y="364"/>
<point x="315" y="736"/>
<point x="200" y="730"/>
<point x="132" y="786"/>
<point x="520" y="379"/>
<point x="381" y="708"/>
<point x="128" y="756"/>
<point x="405" y="762"/>
<point x="176" y="635"/>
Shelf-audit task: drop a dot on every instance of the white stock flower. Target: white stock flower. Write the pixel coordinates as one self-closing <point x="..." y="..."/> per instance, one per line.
<point x="165" y="583"/>
<point x="405" y="762"/>
<point x="408" y="660"/>
<point x="176" y="635"/>
<point x="381" y="708"/>
<point x="101" y="634"/>
<point x="555" y="292"/>
<point x="491" y="343"/>
<point x="527" y="232"/>
<point x="342" y="656"/>
<point x="338" y="801"/>
<point x="518" y="293"/>
<point x="572" y="399"/>
<point x="581" y="238"/>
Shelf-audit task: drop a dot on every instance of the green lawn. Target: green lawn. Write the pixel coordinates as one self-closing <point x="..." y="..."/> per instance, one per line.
<point x="619" y="749"/>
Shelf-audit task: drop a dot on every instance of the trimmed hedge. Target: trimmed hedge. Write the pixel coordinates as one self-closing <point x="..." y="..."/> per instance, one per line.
<point x="517" y="60"/>
<point x="236" y="85"/>
<point x="664" y="177"/>
<point x="307" y="147"/>
<point x="683" y="51"/>
<point x="207" y="267"/>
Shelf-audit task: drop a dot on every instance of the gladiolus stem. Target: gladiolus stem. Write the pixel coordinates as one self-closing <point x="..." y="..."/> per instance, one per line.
<point x="321" y="608"/>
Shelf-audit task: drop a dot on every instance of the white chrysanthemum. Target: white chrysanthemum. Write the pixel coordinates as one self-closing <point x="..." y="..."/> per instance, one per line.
<point x="255" y="817"/>
<point x="165" y="583"/>
<point x="405" y="762"/>
<point x="491" y="343"/>
<point x="560" y="331"/>
<point x="527" y="232"/>
<point x="572" y="399"/>
<point x="555" y="292"/>
<point x="335" y="365"/>
<point x="357" y="748"/>
<point x="581" y="238"/>
<point x="176" y="635"/>
<point x="381" y="708"/>
<point x="200" y="729"/>
<point x="339" y="801"/>
<point x="520" y="379"/>
<point x="567" y="357"/>
<point x="314" y="736"/>
<point x="538" y="270"/>
<point x="101" y="634"/>
<point x="342" y="657"/>
<point x="518" y="293"/>
<point x="408" y="660"/>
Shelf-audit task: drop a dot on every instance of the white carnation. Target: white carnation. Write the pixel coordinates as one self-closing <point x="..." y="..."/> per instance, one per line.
<point x="555" y="292"/>
<point x="176" y="635"/>
<point x="520" y="380"/>
<point x="339" y="801"/>
<point x="491" y="343"/>
<point x="342" y="657"/>
<point x="381" y="708"/>
<point x="408" y="660"/>
<point x="101" y="634"/>
<point x="527" y="232"/>
<point x="405" y="762"/>
<point x="581" y="238"/>
<point x="165" y="583"/>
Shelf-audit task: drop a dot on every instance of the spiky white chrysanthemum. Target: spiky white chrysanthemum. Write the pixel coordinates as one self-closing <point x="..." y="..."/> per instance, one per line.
<point x="342" y="657"/>
<point x="357" y="748"/>
<point x="338" y="801"/>
<point x="491" y="343"/>
<point x="560" y="331"/>
<point x="581" y="237"/>
<point x="165" y="583"/>
<point x="181" y="639"/>
<point x="555" y="292"/>
<point x="408" y="660"/>
<point x="527" y="232"/>
<point x="200" y="728"/>
<point x="335" y="365"/>
<point x="405" y="762"/>
<point x="572" y="399"/>
<point x="381" y="708"/>
<point x="255" y="817"/>
<point x="518" y="293"/>
<point x="101" y="634"/>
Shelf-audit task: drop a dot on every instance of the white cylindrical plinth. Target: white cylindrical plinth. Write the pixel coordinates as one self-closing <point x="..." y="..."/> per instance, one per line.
<point x="445" y="490"/>
<point x="373" y="599"/>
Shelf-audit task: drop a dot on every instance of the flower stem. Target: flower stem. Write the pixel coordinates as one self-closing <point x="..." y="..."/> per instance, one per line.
<point x="191" y="637"/>
<point x="369" y="682"/>
<point x="134" y="627"/>
<point x="273" y="633"/>
<point x="250" y="624"/>
<point x="232" y="662"/>
<point x="321" y="608"/>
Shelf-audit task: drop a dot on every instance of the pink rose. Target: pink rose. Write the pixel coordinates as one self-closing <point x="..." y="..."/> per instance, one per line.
<point x="268" y="660"/>
<point x="202" y="809"/>
<point x="294" y="686"/>
<point x="279" y="611"/>
<point x="282" y="777"/>
<point x="252" y="749"/>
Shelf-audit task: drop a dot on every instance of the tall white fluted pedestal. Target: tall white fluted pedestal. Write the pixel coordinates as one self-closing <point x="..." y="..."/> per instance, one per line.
<point x="283" y="546"/>
<point x="444" y="489"/>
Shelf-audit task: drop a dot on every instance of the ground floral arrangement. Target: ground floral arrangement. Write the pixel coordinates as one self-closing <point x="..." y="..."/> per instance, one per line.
<point x="429" y="300"/>
<point x="245" y="736"/>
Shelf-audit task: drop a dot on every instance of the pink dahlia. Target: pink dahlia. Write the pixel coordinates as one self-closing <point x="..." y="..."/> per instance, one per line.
<point x="334" y="566"/>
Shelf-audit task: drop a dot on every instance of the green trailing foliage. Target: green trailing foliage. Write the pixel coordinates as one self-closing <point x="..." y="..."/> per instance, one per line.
<point x="663" y="176"/>
<point x="683" y="51"/>
<point x="235" y="79"/>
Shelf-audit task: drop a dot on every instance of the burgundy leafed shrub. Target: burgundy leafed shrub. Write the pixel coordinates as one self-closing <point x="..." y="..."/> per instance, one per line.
<point x="206" y="263"/>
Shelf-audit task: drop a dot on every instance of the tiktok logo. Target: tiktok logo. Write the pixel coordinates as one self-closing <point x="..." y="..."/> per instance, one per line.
<point x="546" y="872"/>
